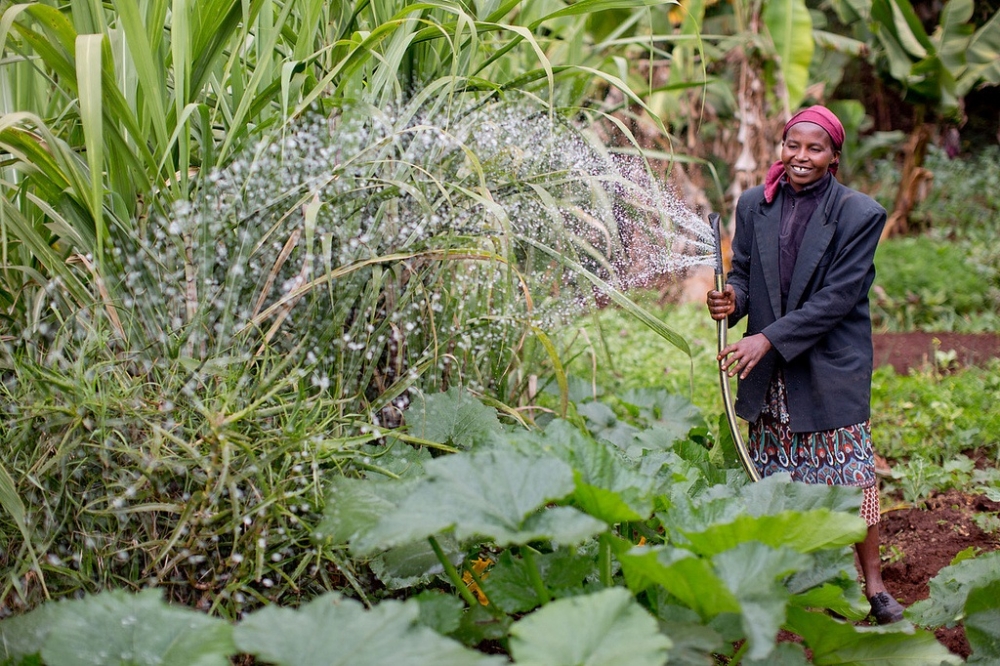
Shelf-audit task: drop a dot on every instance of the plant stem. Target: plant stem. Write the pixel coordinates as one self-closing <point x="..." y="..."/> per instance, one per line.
<point x="738" y="657"/>
<point x="604" y="560"/>
<point x="453" y="575"/>
<point x="535" y="575"/>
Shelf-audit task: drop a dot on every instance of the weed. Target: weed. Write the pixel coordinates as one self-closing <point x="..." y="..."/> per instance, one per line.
<point x="987" y="522"/>
<point x="891" y="554"/>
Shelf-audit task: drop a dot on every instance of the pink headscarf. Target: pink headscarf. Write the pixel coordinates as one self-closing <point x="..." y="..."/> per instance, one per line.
<point x="819" y="115"/>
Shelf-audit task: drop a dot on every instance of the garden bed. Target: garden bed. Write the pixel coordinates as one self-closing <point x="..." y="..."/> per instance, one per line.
<point x="919" y="541"/>
<point x="915" y="349"/>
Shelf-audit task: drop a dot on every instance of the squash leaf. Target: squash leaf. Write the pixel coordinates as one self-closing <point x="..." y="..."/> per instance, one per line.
<point x="333" y="630"/>
<point x="607" y="628"/>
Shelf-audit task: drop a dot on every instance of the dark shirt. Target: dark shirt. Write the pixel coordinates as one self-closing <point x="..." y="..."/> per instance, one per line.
<point x="796" y="209"/>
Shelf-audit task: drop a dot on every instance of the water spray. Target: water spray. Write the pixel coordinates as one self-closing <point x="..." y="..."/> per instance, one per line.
<point x="721" y="328"/>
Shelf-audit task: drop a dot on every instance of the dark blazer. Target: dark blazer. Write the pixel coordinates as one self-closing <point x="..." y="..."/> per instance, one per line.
<point x="824" y="340"/>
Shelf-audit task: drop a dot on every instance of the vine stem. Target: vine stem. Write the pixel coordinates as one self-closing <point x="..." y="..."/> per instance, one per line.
<point x="453" y="575"/>
<point x="738" y="657"/>
<point x="604" y="560"/>
<point x="535" y="575"/>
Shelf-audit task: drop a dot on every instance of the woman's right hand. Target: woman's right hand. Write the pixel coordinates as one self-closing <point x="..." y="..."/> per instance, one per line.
<point x="721" y="304"/>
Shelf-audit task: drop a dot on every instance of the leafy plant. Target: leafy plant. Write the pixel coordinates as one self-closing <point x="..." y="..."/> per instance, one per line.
<point x="931" y="285"/>
<point x="309" y="234"/>
<point x="670" y="559"/>
<point x="934" y="416"/>
<point x="699" y="535"/>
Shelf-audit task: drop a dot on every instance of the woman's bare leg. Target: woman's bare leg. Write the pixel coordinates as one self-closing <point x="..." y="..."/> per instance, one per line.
<point x="885" y="608"/>
<point x="871" y="562"/>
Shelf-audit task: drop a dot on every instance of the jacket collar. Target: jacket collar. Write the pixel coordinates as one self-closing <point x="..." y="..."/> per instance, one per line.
<point x="819" y="232"/>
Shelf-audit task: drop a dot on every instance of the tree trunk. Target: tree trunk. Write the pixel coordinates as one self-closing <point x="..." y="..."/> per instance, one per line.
<point x="911" y="182"/>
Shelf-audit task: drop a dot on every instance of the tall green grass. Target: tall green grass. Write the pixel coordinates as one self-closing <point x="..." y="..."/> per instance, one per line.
<point x="238" y="236"/>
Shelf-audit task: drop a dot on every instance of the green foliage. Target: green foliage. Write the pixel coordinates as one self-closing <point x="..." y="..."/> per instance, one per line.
<point x="167" y="478"/>
<point x="962" y="200"/>
<point x="925" y="284"/>
<point x="701" y="560"/>
<point x="707" y="560"/>
<point x="118" y="628"/>
<point x="938" y="67"/>
<point x="950" y="590"/>
<point x="334" y="630"/>
<point x="936" y="416"/>
<point x="982" y="622"/>
<point x="600" y="629"/>
<point x="607" y="351"/>
<point x="948" y="277"/>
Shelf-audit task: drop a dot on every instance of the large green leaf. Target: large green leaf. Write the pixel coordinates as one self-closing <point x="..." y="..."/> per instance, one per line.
<point x="772" y="495"/>
<point x="982" y="623"/>
<point x="776" y="494"/>
<point x="785" y="654"/>
<point x="689" y="578"/>
<point x="755" y="573"/>
<point x="608" y="628"/>
<point x="22" y="636"/>
<point x="511" y="588"/>
<point x="950" y="589"/>
<point x="834" y="642"/>
<point x="608" y="486"/>
<point x="954" y="34"/>
<point x="899" y="18"/>
<point x="670" y="411"/>
<point x="354" y="506"/>
<point x="138" y="629"/>
<point x="454" y="417"/>
<point x="982" y="57"/>
<point x="333" y="631"/>
<point x="496" y="495"/>
<point x="804" y="531"/>
<point x="414" y="563"/>
<point x="790" y="26"/>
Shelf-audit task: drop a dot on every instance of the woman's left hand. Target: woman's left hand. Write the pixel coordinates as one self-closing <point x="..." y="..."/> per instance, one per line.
<point x="741" y="357"/>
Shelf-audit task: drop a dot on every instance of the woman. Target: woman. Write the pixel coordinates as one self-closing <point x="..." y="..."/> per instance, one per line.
<point x="802" y="267"/>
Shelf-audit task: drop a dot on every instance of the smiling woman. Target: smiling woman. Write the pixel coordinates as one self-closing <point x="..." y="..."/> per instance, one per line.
<point x="807" y="154"/>
<point x="802" y="268"/>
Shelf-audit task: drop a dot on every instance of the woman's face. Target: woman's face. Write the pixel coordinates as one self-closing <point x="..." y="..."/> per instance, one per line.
<point x="807" y="153"/>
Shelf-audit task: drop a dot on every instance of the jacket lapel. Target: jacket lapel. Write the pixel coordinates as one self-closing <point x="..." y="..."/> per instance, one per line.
<point x="766" y="227"/>
<point x="818" y="234"/>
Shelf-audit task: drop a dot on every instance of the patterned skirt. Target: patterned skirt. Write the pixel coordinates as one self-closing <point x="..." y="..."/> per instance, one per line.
<point x="842" y="456"/>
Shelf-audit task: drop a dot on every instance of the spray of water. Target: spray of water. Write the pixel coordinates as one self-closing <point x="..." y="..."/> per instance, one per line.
<point x="350" y="257"/>
<point x="372" y="243"/>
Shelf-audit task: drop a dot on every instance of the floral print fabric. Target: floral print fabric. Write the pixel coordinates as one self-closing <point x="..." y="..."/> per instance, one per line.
<point x="842" y="456"/>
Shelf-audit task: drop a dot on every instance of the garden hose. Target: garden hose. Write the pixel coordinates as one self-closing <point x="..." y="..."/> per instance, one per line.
<point x="721" y="327"/>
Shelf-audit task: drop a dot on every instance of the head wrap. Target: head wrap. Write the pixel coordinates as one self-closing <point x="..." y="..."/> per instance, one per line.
<point x="820" y="115"/>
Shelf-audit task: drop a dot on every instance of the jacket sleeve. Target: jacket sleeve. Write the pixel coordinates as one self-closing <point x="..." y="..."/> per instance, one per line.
<point x="739" y="274"/>
<point x="850" y="272"/>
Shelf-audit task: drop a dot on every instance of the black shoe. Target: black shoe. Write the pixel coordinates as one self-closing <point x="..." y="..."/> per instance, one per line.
<point x="885" y="609"/>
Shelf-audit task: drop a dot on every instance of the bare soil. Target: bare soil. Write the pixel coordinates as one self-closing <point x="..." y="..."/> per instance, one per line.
<point x="904" y="351"/>
<point x="925" y="540"/>
<point x="920" y="541"/>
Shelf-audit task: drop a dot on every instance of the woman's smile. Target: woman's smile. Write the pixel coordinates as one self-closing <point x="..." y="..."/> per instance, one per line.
<point x="806" y="154"/>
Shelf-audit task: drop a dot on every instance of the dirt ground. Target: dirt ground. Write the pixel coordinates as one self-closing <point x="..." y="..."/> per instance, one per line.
<point x="925" y="540"/>
<point x="920" y="541"/>
<point x="912" y="350"/>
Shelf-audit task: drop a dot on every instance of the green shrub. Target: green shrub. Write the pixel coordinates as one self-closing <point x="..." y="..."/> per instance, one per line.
<point x="928" y="284"/>
<point x="937" y="416"/>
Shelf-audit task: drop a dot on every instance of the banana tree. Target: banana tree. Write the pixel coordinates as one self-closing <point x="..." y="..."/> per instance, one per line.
<point x="933" y="70"/>
<point x="747" y="59"/>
